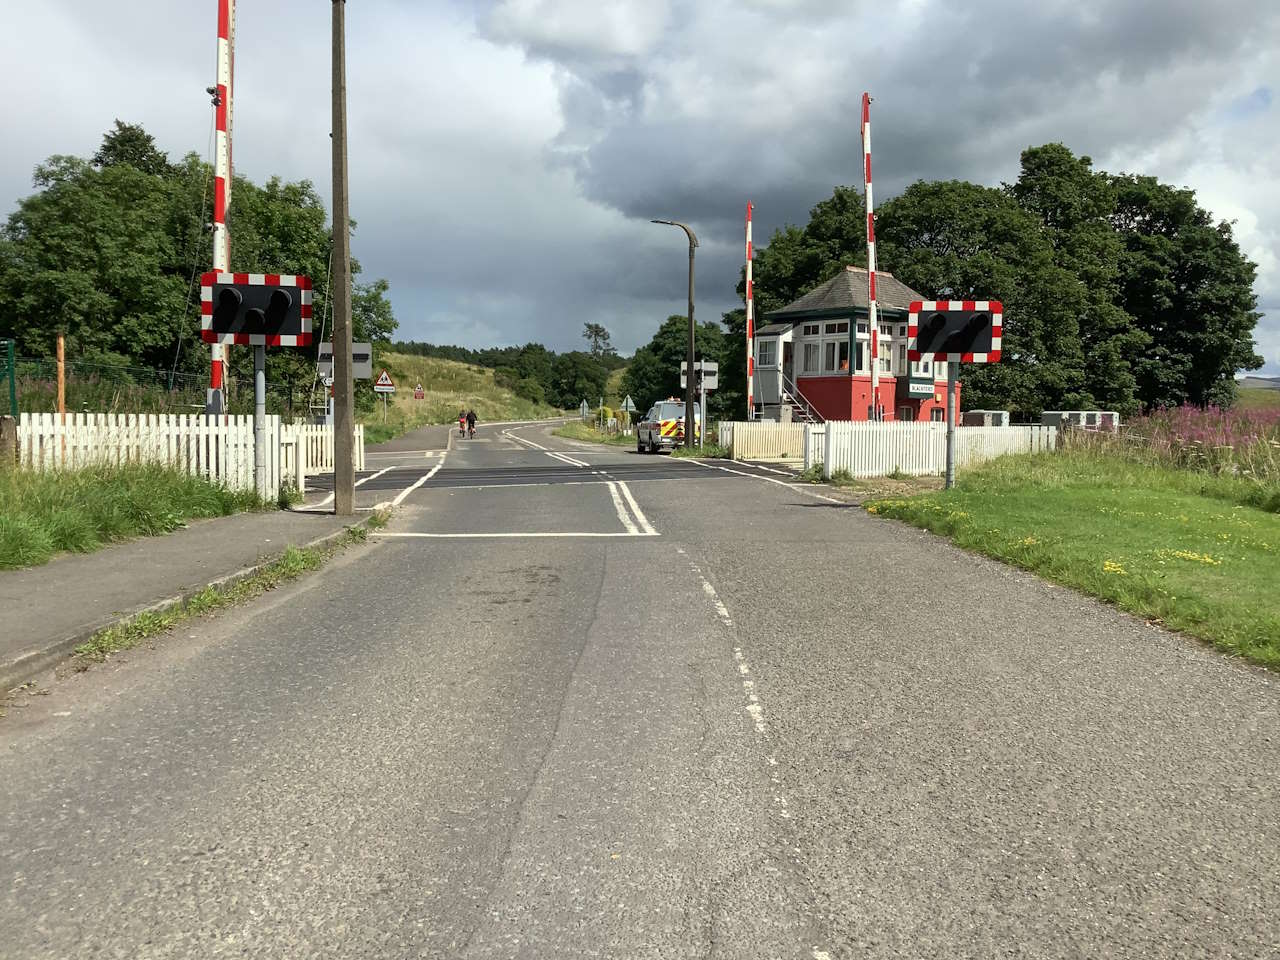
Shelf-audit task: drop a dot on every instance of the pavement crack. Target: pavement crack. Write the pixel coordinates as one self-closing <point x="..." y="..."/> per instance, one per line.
<point x="535" y="777"/>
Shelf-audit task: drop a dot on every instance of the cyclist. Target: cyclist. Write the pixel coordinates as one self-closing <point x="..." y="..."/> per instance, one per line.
<point x="471" y="422"/>
<point x="462" y="423"/>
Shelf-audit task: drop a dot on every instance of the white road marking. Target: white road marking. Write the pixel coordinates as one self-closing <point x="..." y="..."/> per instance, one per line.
<point x="374" y="476"/>
<point x="820" y="954"/>
<point x="409" y="534"/>
<point x="622" y="511"/>
<point x="784" y="473"/>
<point x="528" y="443"/>
<point x="421" y="480"/>
<point x="798" y="488"/>
<point x="564" y="458"/>
<point x="635" y="508"/>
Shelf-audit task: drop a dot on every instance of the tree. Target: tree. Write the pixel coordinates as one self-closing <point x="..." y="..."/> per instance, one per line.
<point x="1075" y="204"/>
<point x="1189" y="288"/>
<point x="598" y="337"/>
<point x="372" y="319"/>
<point x="654" y="371"/>
<point x="110" y="251"/>
<point x="576" y="377"/>
<point x="964" y="241"/>
<point x="130" y="144"/>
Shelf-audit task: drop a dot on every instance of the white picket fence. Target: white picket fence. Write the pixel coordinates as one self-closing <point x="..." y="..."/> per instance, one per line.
<point x="220" y="449"/>
<point x="762" y="439"/>
<point x="878" y="449"/>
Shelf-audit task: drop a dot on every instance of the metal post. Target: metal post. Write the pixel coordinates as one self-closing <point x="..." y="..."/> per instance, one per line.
<point x="13" y="380"/>
<point x="702" y="401"/>
<point x="344" y="473"/>
<point x="952" y="370"/>
<point x="689" y="390"/>
<point x="260" y="421"/>
<point x="690" y="421"/>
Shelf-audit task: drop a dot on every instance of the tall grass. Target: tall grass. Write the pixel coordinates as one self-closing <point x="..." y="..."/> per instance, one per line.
<point x="43" y="513"/>
<point x="1228" y="454"/>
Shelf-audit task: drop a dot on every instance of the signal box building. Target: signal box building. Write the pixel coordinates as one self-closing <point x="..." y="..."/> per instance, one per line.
<point x="814" y="355"/>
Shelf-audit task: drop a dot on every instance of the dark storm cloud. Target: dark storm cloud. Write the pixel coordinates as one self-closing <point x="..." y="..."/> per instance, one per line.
<point x="506" y="156"/>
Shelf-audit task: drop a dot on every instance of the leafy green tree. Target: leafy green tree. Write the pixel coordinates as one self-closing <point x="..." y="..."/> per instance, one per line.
<point x="964" y="241"/>
<point x="90" y="255"/>
<point x="1185" y="281"/>
<point x="654" y="371"/>
<point x="110" y="252"/>
<point x="372" y="319"/>
<point x="130" y="144"/>
<point x="1075" y="204"/>
<point x="598" y="337"/>
<point x="576" y="377"/>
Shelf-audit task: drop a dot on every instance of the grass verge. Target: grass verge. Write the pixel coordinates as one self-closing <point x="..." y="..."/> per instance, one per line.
<point x="43" y="513"/>
<point x="1151" y="540"/>
<point x="709" y="451"/>
<point x="291" y="565"/>
<point x="577" y="430"/>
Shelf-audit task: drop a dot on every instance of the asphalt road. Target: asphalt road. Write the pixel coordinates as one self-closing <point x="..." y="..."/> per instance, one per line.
<point x="631" y="707"/>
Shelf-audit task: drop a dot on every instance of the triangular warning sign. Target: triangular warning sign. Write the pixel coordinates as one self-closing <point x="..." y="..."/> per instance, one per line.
<point x="384" y="380"/>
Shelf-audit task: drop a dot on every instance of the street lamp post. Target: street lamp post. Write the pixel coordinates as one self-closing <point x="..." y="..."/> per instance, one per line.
<point x="689" y="417"/>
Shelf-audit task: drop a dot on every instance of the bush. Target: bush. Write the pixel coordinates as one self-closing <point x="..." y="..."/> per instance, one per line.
<point x="530" y="389"/>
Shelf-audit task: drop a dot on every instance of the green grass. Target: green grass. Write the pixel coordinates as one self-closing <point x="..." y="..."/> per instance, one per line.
<point x="448" y="386"/>
<point x="577" y="430"/>
<point x="708" y="450"/>
<point x="1257" y="398"/>
<point x="293" y="563"/>
<point x="1174" y="547"/>
<point x="45" y="513"/>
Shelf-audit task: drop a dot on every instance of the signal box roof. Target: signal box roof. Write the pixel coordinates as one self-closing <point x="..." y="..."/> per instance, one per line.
<point x="845" y="295"/>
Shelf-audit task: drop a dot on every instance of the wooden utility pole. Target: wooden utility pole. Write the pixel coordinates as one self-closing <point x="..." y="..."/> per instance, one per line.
<point x="62" y="377"/>
<point x="343" y="385"/>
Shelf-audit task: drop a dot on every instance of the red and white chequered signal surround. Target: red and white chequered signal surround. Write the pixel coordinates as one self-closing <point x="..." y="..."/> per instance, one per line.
<point x="303" y="285"/>
<point x="751" y="332"/>
<point x="917" y="307"/>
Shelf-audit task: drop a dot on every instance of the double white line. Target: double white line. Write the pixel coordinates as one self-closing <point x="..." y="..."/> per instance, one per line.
<point x="640" y="527"/>
<point x="565" y="458"/>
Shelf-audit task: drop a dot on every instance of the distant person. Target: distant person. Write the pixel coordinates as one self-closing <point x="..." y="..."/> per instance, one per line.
<point x="462" y="423"/>
<point x="471" y="422"/>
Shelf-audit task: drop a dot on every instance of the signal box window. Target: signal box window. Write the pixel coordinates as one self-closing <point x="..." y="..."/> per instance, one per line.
<point x="767" y="352"/>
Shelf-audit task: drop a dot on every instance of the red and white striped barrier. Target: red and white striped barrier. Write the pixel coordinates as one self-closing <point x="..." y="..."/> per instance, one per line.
<point x="873" y="322"/>
<point x="222" y="173"/>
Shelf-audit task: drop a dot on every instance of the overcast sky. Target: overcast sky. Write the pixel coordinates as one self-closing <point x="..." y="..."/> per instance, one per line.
<point x="507" y="156"/>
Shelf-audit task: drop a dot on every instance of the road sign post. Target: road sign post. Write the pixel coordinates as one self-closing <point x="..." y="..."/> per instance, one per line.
<point x="386" y="387"/>
<point x="585" y="410"/>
